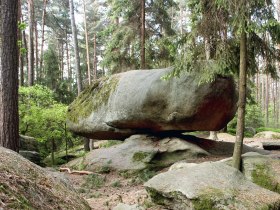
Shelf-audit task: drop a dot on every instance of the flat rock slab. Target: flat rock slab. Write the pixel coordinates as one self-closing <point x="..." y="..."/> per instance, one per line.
<point x="136" y="102"/>
<point x="24" y="185"/>
<point x="143" y="151"/>
<point x="209" y="186"/>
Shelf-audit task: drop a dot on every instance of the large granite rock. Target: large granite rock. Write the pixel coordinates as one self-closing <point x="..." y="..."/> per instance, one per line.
<point x="209" y="186"/>
<point x="263" y="170"/>
<point x="140" y="102"/>
<point x="24" y="185"/>
<point x="139" y="152"/>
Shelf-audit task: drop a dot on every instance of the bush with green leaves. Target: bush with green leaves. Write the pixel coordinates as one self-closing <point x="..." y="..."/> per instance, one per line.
<point x="42" y="117"/>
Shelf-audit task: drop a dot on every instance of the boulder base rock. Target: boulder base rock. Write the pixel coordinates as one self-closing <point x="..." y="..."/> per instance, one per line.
<point x="142" y="102"/>
<point x="143" y="151"/>
<point x="209" y="186"/>
<point x="24" y="185"/>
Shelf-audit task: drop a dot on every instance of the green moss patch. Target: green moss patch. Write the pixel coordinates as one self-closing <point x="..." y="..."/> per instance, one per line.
<point x="263" y="176"/>
<point x="92" y="98"/>
<point x="141" y="156"/>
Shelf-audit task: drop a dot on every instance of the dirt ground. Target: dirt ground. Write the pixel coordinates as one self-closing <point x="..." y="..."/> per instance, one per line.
<point x="116" y="188"/>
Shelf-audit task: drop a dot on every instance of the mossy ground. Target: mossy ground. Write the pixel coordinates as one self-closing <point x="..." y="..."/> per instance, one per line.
<point x="92" y="98"/>
<point x="264" y="177"/>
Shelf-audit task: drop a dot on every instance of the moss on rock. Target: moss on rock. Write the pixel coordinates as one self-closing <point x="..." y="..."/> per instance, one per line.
<point x="92" y="98"/>
<point x="263" y="176"/>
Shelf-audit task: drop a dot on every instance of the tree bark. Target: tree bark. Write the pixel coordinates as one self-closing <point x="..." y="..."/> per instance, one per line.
<point x="94" y="58"/>
<point x="267" y="95"/>
<point x="241" y="102"/>
<point x="76" y="47"/>
<point x="31" y="43"/>
<point x="36" y="50"/>
<point x="43" y="37"/>
<point x="143" y="61"/>
<point x="86" y="144"/>
<point x="87" y="44"/>
<point x="9" y="119"/>
<point x="21" y="57"/>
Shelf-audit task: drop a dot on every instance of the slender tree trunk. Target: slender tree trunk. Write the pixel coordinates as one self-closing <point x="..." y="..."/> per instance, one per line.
<point x="21" y="57"/>
<point x="62" y="60"/>
<point x="87" y="44"/>
<point x="241" y="102"/>
<point x="43" y="38"/>
<point x="91" y="144"/>
<point x="53" y="148"/>
<point x="68" y="59"/>
<point x="31" y="43"/>
<point x="36" y="50"/>
<point x="94" y="58"/>
<point x="86" y="144"/>
<point x="257" y="85"/>
<point x="9" y="119"/>
<point x="26" y="47"/>
<point x="267" y="101"/>
<point x="76" y="48"/>
<point x="143" y="60"/>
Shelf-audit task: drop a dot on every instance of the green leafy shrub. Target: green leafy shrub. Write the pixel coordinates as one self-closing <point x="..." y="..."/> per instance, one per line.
<point x="43" y="118"/>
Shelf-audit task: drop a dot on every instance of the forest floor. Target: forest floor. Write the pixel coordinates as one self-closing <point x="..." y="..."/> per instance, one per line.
<point x="105" y="191"/>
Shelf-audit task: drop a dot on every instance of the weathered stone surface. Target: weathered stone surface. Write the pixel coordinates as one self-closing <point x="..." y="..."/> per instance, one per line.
<point x="28" y="143"/>
<point x="268" y="135"/>
<point x="141" y="102"/>
<point x="209" y="186"/>
<point x="143" y="151"/>
<point x="123" y="206"/>
<point x="24" y="185"/>
<point x="33" y="156"/>
<point x="139" y="152"/>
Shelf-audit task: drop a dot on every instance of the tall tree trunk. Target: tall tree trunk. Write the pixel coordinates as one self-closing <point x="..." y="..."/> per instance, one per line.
<point x="9" y="119"/>
<point x="43" y="38"/>
<point x="241" y="102"/>
<point x="21" y="57"/>
<point x="76" y="47"/>
<point x="36" y="50"/>
<point x="26" y="47"/>
<point x="143" y="61"/>
<point x="62" y="59"/>
<point x="68" y="59"/>
<point x="31" y="43"/>
<point x="94" y="58"/>
<point x="87" y="44"/>
<point x="267" y="95"/>
<point x="207" y="44"/>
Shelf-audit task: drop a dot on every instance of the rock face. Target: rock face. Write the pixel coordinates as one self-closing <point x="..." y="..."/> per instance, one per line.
<point x="268" y="135"/>
<point x="142" y="102"/>
<point x="209" y="186"/>
<point x="139" y="152"/>
<point x="24" y="185"/>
